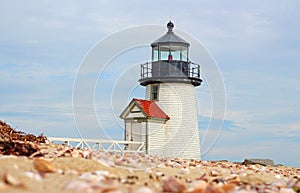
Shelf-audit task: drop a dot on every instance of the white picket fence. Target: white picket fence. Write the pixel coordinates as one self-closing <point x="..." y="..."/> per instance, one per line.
<point x="105" y="145"/>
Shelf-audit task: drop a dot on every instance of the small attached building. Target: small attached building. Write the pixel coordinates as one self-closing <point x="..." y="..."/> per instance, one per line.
<point x="144" y="122"/>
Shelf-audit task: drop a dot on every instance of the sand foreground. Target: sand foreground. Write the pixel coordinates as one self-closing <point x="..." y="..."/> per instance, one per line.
<point x="65" y="169"/>
<point x="32" y="164"/>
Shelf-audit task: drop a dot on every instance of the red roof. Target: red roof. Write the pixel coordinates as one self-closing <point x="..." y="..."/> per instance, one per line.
<point x="151" y="108"/>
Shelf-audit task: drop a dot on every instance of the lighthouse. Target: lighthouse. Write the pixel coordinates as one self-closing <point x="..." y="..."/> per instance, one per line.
<point x="167" y="119"/>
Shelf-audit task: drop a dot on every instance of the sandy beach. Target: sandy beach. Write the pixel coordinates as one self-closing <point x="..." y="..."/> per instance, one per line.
<point x="32" y="164"/>
<point x="63" y="169"/>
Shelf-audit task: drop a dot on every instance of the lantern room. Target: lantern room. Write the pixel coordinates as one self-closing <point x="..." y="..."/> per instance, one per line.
<point x="170" y="47"/>
<point x="170" y="61"/>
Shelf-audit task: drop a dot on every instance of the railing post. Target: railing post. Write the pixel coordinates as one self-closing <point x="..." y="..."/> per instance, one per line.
<point x="147" y="70"/>
<point x="189" y="69"/>
<point x="142" y="69"/>
<point x="193" y="72"/>
<point x="150" y="69"/>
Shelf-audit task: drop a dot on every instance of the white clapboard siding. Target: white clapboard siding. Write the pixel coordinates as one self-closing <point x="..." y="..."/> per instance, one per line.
<point x="156" y="137"/>
<point x="181" y="134"/>
<point x="127" y="130"/>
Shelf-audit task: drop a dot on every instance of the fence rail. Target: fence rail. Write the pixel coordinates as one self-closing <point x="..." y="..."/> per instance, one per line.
<point x="105" y="145"/>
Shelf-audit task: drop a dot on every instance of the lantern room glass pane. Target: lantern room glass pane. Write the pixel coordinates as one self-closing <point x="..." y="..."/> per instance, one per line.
<point x="184" y="55"/>
<point x="164" y="52"/>
<point x="164" y="55"/>
<point x="179" y="53"/>
<point x="155" y="55"/>
<point x="176" y="55"/>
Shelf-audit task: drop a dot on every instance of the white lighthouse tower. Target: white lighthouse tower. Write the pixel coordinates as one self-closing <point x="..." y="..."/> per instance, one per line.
<point x="167" y="119"/>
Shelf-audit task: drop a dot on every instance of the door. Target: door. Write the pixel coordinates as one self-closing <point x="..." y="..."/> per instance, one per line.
<point x="136" y="134"/>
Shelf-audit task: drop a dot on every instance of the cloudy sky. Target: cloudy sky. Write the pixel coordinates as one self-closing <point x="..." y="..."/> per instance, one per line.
<point x="256" y="45"/>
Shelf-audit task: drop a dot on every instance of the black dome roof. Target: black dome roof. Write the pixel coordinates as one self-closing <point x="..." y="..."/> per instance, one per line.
<point x="170" y="38"/>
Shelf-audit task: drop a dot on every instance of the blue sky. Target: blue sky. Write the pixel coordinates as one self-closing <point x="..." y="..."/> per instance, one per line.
<point x="256" y="45"/>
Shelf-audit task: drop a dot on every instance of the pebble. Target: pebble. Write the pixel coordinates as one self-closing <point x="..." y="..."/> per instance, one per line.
<point x="185" y="171"/>
<point x="144" y="190"/>
<point x="86" y="154"/>
<point x="42" y="165"/>
<point x="90" y="177"/>
<point x="171" y="185"/>
<point x="159" y="174"/>
<point x="233" y="179"/>
<point x="11" y="180"/>
<point x="35" y="176"/>
<point x="176" y="165"/>
<point x="228" y="187"/>
<point x="214" y="173"/>
<point x="78" y="186"/>
<point x="102" y="172"/>
<point x="296" y="185"/>
<point x="59" y="171"/>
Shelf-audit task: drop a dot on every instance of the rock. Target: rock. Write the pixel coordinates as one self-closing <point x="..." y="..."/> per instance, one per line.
<point x="214" y="173"/>
<point x="222" y="160"/>
<point x="102" y="172"/>
<point x="7" y="133"/>
<point x="296" y="186"/>
<point x="239" y="163"/>
<point x="42" y="165"/>
<point x="11" y="180"/>
<point x="171" y="185"/>
<point x="263" y="162"/>
<point x="228" y="187"/>
<point x="160" y="174"/>
<point x="35" y="176"/>
<point x="144" y="190"/>
<point x="233" y="179"/>
<point x="19" y="148"/>
<point x="185" y="171"/>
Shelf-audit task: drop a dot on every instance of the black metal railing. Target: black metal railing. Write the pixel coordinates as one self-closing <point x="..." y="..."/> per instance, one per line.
<point x="172" y="68"/>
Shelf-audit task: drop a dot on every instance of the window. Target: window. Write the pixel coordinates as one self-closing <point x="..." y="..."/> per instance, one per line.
<point x="164" y="52"/>
<point x="155" y="54"/>
<point x="154" y="92"/>
<point x="184" y="55"/>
